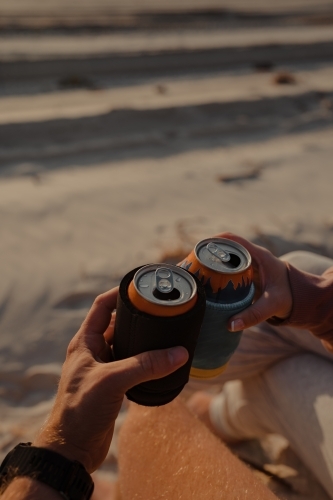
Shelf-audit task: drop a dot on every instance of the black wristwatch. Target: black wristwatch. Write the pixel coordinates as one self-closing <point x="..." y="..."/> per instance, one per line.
<point x="67" y="477"/>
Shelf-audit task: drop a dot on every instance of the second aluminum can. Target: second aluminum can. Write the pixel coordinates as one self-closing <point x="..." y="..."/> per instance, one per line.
<point x="224" y="268"/>
<point x="159" y="306"/>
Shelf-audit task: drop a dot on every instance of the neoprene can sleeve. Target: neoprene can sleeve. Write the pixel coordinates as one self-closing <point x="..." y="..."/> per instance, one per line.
<point x="137" y="332"/>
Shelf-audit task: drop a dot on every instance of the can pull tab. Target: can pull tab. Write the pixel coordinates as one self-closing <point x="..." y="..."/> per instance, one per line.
<point x="218" y="252"/>
<point x="164" y="280"/>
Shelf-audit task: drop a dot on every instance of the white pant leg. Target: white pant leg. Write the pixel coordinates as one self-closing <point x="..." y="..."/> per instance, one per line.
<point x="308" y="261"/>
<point x="294" y="398"/>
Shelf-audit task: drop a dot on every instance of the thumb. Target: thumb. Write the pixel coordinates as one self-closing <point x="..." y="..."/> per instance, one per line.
<point x="150" y="365"/>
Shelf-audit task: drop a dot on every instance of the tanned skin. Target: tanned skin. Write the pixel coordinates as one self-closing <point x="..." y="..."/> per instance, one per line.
<point x="166" y="453"/>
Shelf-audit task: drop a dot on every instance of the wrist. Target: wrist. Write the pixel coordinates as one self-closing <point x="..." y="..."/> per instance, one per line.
<point x="27" y="488"/>
<point x="41" y="465"/>
<point x="51" y="440"/>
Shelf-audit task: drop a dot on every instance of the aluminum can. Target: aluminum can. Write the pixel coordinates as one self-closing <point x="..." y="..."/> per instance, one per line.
<point x="159" y="306"/>
<point x="224" y="268"/>
<point x="163" y="290"/>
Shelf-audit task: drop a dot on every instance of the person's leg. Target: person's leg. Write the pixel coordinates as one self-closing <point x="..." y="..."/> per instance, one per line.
<point x="293" y="398"/>
<point x="308" y="261"/>
<point x="167" y="453"/>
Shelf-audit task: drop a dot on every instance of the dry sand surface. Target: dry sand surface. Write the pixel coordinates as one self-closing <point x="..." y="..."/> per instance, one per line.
<point x="132" y="162"/>
<point x="52" y="7"/>
<point x="51" y="46"/>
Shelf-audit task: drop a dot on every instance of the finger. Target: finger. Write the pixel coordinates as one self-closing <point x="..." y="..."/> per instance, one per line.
<point x="148" y="366"/>
<point x="253" y="315"/>
<point x="99" y="316"/>
<point x="109" y="332"/>
<point x="105" y="354"/>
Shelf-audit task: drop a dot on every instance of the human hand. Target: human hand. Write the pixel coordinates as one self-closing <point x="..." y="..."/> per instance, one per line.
<point x="92" y="388"/>
<point x="273" y="293"/>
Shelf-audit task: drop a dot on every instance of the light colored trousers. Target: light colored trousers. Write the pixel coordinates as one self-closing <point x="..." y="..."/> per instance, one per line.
<point x="280" y="380"/>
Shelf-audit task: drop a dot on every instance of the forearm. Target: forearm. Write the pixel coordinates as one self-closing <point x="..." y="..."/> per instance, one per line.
<point x="24" y="488"/>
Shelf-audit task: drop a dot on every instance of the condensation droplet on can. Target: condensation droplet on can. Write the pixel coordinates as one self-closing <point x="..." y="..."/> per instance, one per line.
<point x="178" y="279"/>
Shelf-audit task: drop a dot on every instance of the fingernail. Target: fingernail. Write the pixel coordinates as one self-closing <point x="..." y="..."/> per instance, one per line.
<point x="237" y="325"/>
<point x="177" y="355"/>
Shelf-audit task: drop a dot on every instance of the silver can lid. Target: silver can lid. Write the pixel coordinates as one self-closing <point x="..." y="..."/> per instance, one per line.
<point x="165" y="284"/>
<point x="222" y="255"/>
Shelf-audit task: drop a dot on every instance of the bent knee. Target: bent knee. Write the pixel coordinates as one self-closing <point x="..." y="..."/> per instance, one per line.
<point x="308" y="261"/>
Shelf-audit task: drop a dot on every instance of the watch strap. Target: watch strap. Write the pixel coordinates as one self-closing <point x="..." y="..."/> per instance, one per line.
<point x="68" y="477"/>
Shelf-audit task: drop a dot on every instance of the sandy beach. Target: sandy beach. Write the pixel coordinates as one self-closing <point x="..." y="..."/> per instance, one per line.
<point x="121" y="146"/>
